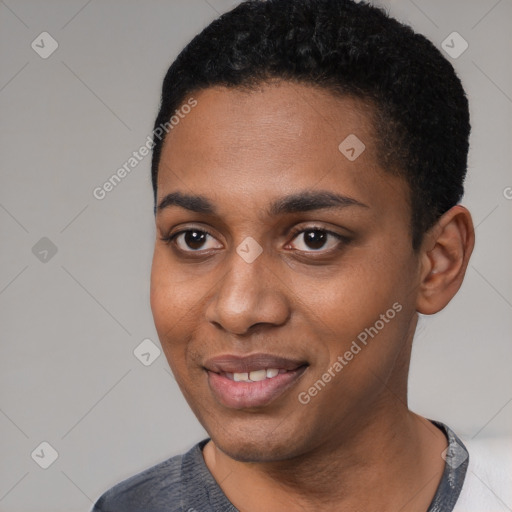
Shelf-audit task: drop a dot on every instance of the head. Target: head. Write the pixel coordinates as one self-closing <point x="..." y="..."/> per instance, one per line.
<point x="306" y="194"/>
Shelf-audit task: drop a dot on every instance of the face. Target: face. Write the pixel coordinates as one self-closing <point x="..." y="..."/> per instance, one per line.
<point x="276" y="257"/>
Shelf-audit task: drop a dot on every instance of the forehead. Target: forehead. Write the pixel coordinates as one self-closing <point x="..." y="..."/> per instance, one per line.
<point x="278" y="120"/>
<point x="278" y="136"/>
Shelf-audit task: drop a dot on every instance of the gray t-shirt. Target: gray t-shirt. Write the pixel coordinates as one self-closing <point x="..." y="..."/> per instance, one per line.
<point x="184" y="484"/>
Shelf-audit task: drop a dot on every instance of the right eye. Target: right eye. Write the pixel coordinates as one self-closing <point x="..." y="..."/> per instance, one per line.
<point x="192" y="240"/>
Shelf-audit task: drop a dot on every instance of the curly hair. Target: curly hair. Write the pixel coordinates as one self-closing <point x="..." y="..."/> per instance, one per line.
<point x="420" y="114"/>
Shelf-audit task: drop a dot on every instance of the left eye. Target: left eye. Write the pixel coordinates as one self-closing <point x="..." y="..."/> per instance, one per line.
<point x="194" y="240"/>
<point x="311" y="240"/>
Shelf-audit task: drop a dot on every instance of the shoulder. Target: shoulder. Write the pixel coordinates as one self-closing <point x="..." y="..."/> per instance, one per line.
<point x="155" y="489"/>
<point x="488" y="482"/>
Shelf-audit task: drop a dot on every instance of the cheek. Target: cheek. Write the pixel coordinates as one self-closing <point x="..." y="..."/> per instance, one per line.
<point x="366" y="302"/>
<point x="170" y="304"/>
<point x="172" y="294"/>
<point x="177" y="303"/>
<point x="162" y="301"/>
<point x="356" y="294"/>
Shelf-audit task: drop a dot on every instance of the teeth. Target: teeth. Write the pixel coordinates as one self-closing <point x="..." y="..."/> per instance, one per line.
<point x="258" y="375"/>
<point x="255" y="376"/>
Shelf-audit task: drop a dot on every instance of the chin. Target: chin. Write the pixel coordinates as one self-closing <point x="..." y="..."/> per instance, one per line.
<point x="257" y="446"/>
<point x="252" y="451"/>
<point x="255" y="436"/>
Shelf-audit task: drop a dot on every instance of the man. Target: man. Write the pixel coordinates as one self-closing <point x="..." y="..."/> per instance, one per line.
<point x="308" y="163"/>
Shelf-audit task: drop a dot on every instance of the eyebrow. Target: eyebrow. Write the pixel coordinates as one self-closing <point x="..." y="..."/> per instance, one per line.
<point x="299" y="202"/>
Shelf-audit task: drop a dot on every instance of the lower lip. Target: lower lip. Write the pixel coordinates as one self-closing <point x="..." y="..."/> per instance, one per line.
<point x="242" y="395"/>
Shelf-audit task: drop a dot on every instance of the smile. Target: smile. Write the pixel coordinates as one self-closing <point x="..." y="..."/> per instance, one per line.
<point x="253" y="381"/>
<point x="255" y="375"/>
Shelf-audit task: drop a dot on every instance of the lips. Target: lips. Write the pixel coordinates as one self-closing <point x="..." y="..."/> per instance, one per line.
<point x="240" y="364"/>
<point x="251" y="381"/>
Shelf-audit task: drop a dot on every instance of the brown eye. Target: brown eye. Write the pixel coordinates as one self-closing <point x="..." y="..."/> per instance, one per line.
<point x="193" y="240"/>
<point x="315" y="239"/>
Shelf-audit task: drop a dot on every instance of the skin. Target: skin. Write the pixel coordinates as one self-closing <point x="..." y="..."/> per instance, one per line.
<point x="355" y="445"/>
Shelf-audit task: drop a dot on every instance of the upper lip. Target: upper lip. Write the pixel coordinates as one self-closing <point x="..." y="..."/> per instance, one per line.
<point x="231" y="363"/>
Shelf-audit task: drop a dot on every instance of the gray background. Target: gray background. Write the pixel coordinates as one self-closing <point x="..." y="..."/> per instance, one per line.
<point x="69" y="324"/>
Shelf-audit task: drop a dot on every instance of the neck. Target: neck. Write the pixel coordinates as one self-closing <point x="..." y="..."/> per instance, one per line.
<point x="392" y="463"/>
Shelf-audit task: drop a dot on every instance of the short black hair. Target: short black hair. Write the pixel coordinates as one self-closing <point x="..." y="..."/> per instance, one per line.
<point x="421" y="114"/>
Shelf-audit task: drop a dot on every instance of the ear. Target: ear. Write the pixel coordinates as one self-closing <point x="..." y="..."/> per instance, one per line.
<point x="445" y="254"/>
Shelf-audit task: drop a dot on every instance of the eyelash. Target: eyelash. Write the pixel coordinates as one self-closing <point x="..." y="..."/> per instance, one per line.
<point x="170" y="238"/>
<point x="343" y="240"/>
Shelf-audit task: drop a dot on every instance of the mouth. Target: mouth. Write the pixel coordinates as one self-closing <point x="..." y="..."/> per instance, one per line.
<point x="252" y="381"/>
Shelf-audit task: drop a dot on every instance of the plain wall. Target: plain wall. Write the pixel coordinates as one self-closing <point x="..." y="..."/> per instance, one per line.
<point x="69" y="325"/>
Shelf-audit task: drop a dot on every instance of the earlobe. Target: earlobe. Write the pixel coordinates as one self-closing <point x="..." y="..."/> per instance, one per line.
<point x="445" y="255"/>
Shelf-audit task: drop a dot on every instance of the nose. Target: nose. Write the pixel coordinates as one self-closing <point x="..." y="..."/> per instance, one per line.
<point x="249" y="294"/>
